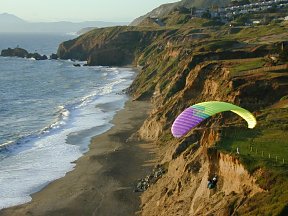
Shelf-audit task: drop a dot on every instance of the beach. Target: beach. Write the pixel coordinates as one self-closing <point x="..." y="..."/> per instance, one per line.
<point x="103" y="180"/>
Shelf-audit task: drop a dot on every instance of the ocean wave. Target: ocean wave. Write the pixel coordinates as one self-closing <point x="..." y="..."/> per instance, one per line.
<point x="63" y="114"/>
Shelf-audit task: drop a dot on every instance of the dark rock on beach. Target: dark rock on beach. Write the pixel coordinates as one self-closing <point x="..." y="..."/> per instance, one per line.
<point x="144" y="183"/>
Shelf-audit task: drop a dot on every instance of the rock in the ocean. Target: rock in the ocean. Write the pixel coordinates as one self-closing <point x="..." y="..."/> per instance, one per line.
<point x="53" y="56"/>
<point x="18" y="52"/>
<point x="36" y="56"/>
<point x="22" y="53"/>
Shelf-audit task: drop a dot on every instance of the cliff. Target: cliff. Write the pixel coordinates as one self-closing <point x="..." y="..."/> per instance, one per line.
<point x="183" y="189"/>
<point x="108" y="46"/>
<point x="190" y="62"/>
<point x="194" y="159"/>
<point x="182" y="77"/>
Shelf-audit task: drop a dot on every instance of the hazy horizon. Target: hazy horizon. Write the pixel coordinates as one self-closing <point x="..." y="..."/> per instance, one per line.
<point x="14" y="24"/>
<point x="79" y="11"/>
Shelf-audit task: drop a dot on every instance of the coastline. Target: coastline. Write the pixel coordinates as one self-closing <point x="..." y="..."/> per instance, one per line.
<point x="103" y="179"/>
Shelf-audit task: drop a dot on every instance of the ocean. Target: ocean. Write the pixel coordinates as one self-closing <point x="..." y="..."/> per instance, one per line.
<point x="49" y="111"/>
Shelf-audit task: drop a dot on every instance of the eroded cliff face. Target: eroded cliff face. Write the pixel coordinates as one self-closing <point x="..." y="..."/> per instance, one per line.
<point x="192" y="160"/>
<point x="183" y="189"/>
<point x="204" y="82"/>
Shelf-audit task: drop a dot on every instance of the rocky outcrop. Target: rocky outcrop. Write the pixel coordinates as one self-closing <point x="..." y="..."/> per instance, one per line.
<point x="37" y="56"/>
<point x="22" y="53"/>
<point x="17" y="52"/>
<point x="54" y="56"/>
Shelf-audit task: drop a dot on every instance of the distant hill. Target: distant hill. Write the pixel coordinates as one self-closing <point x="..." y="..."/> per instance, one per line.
<point x="12" y="23"/>
<point x="10" y="18"/>
<point x="165" y="9"/>
<point x="160" y="11"/>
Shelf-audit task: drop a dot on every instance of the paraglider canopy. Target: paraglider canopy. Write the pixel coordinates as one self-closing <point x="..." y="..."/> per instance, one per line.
<point x="195" y="114"/>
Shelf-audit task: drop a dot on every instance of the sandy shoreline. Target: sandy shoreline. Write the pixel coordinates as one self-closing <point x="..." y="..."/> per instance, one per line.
<point x="102" y="182"/>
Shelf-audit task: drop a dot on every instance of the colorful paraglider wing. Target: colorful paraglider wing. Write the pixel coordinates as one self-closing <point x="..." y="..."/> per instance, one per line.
<point x="195" y="114"/>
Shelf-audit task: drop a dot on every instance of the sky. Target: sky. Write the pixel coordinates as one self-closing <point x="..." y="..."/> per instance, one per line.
<point x="79" y="10"/>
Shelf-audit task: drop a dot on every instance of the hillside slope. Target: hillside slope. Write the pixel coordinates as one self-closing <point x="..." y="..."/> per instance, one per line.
<point x="165" y="9"/>
<point x="183" y="64"/>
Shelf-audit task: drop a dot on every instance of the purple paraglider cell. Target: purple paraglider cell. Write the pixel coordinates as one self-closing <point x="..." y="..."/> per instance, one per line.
<point x="185" y="121"/>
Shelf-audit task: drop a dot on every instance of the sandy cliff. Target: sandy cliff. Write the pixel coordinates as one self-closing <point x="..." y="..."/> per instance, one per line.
<point x="192" y="160"/>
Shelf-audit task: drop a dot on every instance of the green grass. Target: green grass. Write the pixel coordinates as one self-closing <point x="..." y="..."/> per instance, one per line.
<point x="196" y="22"/>
<point x="284" y="98"/>
<point x="220" y="45"/>
<point x="260" y="146"/>
<point x="259" y="31"/>
<point x="245" y="66"/>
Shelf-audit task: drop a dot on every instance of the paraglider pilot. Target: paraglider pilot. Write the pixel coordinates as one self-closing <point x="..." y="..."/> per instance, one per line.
<point x="212" y="183"/>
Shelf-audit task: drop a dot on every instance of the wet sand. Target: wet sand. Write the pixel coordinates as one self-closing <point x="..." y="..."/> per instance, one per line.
<point x="103" y="180"/>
